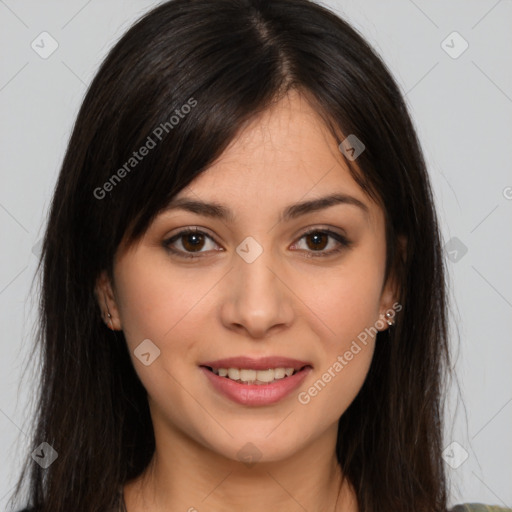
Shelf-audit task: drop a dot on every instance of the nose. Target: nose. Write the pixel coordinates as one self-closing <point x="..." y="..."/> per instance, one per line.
<point x="257" y="299"/>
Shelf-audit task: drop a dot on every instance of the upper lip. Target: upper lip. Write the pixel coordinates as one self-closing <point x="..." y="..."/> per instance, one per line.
<point x="262" y="363"/>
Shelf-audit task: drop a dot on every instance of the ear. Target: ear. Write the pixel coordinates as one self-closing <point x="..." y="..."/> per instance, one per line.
<point x="107" y="302"/>
<point x="389" y="303"/>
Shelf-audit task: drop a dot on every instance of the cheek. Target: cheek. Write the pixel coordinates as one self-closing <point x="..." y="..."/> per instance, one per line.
<point x="347" y="303"/>
<point x="348" y="308"/>
<point x="337" y="384"/>
<point x="163" y="306"/>
<point x="345" y="300"/>
<point x="154" y="302"/>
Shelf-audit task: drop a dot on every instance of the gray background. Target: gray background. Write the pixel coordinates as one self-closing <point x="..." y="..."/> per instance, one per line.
<point x="462" y="108"/>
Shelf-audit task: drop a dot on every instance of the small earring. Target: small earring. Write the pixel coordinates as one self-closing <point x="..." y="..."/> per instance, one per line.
<point x="109" y="315"/>
<point x="109" y="321"/>
<point x="388" y="316"/>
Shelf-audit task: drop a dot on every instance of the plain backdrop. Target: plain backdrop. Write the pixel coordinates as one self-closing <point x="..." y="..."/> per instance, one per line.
<point x="452" y="60"/>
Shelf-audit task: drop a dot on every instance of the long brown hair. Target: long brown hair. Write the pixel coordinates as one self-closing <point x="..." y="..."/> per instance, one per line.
<point x="229" y="60"/>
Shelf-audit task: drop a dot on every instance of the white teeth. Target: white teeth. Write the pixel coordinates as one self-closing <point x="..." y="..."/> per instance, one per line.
<point x="246" y="375"/>
<point x="254" y="376"/>
<point x="279" y="373"/>
<point x="234" y="373"/>
<point x="264" y="375"/>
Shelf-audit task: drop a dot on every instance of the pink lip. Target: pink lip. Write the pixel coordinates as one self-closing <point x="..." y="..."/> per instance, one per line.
<point x="263" y="363"/>
<point x="256" y="394"/>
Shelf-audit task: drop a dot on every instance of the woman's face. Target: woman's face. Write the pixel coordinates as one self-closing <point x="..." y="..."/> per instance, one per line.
<point x="257" y="287"/>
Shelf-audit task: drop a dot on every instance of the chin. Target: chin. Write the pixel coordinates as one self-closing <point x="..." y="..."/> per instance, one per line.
<point x="259" y="448"/>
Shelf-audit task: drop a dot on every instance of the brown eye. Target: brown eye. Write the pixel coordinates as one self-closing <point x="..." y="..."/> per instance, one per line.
<point x="191" y="241"/>
<point x="318" y="239"/>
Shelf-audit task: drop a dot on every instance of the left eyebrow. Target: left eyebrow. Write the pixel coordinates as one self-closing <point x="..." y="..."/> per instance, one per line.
<point x="293" y="211"/>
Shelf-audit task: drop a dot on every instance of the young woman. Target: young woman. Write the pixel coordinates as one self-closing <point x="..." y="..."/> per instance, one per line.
<point x="243" y="297"/>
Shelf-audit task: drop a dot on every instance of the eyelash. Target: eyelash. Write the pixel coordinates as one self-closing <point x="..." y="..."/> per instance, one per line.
<point x="343" y="241"/>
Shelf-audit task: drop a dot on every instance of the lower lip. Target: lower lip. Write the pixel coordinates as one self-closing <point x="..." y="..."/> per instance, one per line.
<point x="256" y="394"/>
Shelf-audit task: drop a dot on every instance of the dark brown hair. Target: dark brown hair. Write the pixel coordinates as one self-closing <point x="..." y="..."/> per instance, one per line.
<point x="230" y="60"/>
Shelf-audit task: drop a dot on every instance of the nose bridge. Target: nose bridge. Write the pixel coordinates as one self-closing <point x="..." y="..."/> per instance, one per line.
<point x="257" y="300"/>
<point x="256" y="281"/>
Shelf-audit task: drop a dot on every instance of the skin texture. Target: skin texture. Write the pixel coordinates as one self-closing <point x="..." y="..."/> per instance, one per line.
<point x="218" y="305"/>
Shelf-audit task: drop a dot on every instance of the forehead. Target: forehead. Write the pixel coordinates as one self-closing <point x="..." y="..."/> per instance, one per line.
<point x="290" y="131"/>
<point x="284" y="156"/>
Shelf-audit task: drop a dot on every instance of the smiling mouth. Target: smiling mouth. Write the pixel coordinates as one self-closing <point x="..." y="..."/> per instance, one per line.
<point x="258" y="377"/>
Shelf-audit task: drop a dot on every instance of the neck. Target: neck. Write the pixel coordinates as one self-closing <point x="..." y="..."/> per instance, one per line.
<point x="184" y="475"/>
